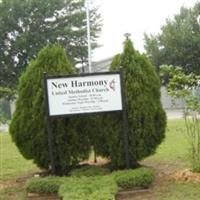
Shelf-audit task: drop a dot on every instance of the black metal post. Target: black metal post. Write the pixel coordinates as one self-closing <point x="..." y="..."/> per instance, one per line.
<point x="50" y="144"/>
<point x="49" y="128"/>
<point x="125" y="123"/>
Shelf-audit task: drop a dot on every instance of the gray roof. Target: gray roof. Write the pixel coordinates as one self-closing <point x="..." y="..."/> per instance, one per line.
<point x="98" y="66"/>
<point x="102" y="65"/>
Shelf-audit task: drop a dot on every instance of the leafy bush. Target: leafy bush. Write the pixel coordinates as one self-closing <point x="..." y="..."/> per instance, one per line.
<point x="187" y="87"/>
<point x="89" y="171"/>
<point x="141" y="177"/>
<point x="89" y="188"/>
<point x="46" y="185"/>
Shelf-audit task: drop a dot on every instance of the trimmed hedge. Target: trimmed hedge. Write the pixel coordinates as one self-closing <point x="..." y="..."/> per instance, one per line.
<point x="46" y="185"/>
<point x="80" y="187"/>
<point x="89" y="171"/>
<point x="89" y="188"/>
<point x="141" y="177"/>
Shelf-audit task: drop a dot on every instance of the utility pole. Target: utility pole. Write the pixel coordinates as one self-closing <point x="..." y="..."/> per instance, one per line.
<point x="88" y="35"/>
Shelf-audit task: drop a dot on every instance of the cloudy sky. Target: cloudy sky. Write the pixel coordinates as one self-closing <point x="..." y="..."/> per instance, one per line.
<point x="135" y="17"/>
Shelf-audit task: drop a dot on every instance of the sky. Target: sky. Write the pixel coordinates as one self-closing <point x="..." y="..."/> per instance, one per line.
<point x="135" y="17"/>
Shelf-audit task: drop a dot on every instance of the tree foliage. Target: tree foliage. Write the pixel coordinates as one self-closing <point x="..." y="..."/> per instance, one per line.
<point x="28" y="25"/>
<point x="178" y="42"/>
<point x="4" y="116"/>
<point x="28" y="126"/>
<point x="6" y="93"/>
<point x="146" y="117"/>
<point x="187" y="87"/>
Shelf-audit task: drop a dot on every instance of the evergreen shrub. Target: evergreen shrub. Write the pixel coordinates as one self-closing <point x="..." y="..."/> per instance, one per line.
<point x="145" y="115"/>
<point x="28" y="126"/>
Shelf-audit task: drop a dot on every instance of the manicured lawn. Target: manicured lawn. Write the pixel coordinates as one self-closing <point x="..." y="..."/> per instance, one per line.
<point x="175" y="145"/>
<point x="171" y="191"/>
<point x="13" y="170"/>
<point x="12" y="163"/>
<point x="171" y="156"/>
<point x="179" y="191"/>
<point x="13" y="193"/>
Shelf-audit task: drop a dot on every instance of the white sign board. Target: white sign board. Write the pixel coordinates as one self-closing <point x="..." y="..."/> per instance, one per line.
<point x="84" y="94"/>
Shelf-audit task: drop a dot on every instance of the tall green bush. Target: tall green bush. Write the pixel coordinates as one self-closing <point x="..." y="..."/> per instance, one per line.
<point x="28" y="126"/>
<point x="146" y="117"/>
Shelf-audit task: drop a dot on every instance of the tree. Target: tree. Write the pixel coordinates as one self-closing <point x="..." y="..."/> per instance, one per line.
<point x="28" y="127"/>
<point x="146" y="117"/>
<point x="6" y="93"/>
<point x="27" y="26"/>
<point x="186" y="87"/>
<point x="153" y="50"/>
<point x="178" y="42"/>
<point x="4" y="116"/>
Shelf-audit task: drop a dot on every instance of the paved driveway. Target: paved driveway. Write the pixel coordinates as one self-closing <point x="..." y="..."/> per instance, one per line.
<point x="3" y="128"/>
<point x="171" y="114"/>
<point x="174" y="114"/>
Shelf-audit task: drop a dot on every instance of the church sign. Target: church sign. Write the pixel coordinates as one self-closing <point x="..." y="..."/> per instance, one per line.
<point x="87" y="93"/>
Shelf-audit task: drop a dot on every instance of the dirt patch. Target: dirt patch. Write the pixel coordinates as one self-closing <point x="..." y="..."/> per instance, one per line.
<point x="14" y="189"/>
<point x="129" y="194"/>
<point x="186" y="175"/>
<point x="99" y="162"/>
<point x="7" y="184"/>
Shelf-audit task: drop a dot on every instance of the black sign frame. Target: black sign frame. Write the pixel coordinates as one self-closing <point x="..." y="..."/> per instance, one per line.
<point x="81" y="75"/>
<point x="50" y="118"/>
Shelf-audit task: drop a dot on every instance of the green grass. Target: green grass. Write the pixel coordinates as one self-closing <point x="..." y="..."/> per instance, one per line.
<point x="16" y="192"/>
<point x="172" y="191"/>
<point x="89" y="188"/>
<point x="175" y="146"/>
<point x="12" y="163"/>
<point x="173" y="151"/>
<point x="178" y="191"/>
